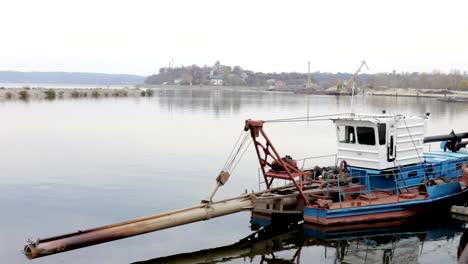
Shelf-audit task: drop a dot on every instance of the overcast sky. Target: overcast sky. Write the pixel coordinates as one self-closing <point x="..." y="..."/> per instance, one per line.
<point x="139" y="37"/>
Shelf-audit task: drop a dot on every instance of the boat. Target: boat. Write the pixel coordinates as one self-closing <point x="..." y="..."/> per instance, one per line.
<point x="381" y="174"/>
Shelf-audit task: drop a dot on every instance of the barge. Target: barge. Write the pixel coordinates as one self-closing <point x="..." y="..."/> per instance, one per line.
<point x="381" y="174"/>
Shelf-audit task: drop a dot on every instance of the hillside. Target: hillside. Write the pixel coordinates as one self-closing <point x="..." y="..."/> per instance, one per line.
<point x="70" y="78"/>
<point x="236" y="76"/>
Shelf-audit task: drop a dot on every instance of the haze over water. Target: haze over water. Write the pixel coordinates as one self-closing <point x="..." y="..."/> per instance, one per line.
<point x="75" y="164"/>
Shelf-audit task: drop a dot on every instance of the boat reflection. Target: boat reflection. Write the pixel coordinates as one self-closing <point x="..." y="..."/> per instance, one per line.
<point x="263" y="243"/>
<point x="284" y="244"/>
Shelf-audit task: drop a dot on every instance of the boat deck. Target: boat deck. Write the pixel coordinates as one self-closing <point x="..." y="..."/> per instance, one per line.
<point x="379" y="198"/>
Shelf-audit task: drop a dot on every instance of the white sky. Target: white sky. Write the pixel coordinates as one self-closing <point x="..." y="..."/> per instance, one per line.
<point x="139" y="37"/>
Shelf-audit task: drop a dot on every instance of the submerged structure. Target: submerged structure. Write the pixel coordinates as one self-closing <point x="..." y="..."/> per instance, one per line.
<point x="380" y="176"/>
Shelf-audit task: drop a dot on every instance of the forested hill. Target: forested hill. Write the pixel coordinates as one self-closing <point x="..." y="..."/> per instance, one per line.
<point x="219" y="74"/>
<point x="70" y="78"/>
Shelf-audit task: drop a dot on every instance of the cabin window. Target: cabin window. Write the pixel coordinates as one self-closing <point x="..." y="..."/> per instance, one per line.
<point x="346" y="134"/>
<point x="382" y="129"/>
<point x="366" y="135"/>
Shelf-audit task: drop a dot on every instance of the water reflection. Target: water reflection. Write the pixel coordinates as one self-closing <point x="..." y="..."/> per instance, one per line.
<point x="286" y="244"/>
<point x="86" y="163"/>
<point x="231" y="101"/>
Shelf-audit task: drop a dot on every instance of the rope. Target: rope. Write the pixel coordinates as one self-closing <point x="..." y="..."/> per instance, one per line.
<point x="234" y="147"/>
<point x="240" y="158"/>
<point x="232" y="158"/>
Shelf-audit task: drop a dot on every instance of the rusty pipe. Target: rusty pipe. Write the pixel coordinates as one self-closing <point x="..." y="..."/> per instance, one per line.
<point x="53" y="245"/>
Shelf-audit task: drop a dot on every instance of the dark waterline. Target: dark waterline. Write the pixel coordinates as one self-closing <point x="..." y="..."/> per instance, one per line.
<point x="74" y="164"/>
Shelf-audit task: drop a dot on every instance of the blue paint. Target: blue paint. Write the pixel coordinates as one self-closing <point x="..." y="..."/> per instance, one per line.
<point x="261" y="221"/>
<point x="437" y="164"/>
<point x="447" y="189"/>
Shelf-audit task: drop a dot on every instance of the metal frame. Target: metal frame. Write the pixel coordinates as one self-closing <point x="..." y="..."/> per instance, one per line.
<point x="268" y="151"/>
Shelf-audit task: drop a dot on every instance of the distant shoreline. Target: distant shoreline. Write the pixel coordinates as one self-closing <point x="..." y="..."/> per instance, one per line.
<point x="27" y="93"/>
<point x="49" y="93"/>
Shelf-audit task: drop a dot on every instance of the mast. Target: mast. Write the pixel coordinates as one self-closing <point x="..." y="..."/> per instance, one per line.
<point x="309" y="78"/>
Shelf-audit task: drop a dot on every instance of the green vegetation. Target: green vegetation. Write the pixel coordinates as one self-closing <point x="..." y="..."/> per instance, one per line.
<point x="24" y="95"/>
<point x="143" y="93"/>
<point x="50" y="94"/>
<point x="149" y="92"/>
<point x="464" y="85"/>
<point x="95" y="94"/>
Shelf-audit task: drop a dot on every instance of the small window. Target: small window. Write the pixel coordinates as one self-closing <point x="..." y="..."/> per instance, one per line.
<point x="366" y="135"/>
<point x="346" y="134"/>
<point x="382" y="128"/>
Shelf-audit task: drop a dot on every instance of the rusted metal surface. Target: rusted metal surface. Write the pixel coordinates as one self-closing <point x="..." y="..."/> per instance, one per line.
<point x="464" y="169"/>
<point x="53" y="245"/>
<point x="265" y="152"/>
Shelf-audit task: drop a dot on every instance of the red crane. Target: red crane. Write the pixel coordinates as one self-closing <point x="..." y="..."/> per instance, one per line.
<point x="273" y="166"/>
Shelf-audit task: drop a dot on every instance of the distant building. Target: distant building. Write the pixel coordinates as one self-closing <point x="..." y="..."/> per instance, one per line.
<point x="216" y="80"/>
<point x="280" y="83"/>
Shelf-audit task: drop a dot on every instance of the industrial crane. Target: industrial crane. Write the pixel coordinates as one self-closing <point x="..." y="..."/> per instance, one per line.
<point x="351" y="80"/>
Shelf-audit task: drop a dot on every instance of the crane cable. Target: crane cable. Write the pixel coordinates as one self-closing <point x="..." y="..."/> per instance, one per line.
<point x="306" y="118"/>
<point x="237" y="152"/>
<point x="242" y="144"/>
<point x="239" y="148"/>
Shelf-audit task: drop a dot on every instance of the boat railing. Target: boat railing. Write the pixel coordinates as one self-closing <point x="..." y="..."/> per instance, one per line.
<point x="401" y="185"/>
<point x="304" y="162"/>
<point x="317" y="160"/>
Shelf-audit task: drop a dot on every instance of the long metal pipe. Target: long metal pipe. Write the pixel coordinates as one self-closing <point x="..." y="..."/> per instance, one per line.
<point x="53" y="245"/>
<point x="450" y="136"/>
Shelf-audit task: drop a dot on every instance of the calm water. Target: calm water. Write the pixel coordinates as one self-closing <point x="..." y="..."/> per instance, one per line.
<point x="76" y="164"/>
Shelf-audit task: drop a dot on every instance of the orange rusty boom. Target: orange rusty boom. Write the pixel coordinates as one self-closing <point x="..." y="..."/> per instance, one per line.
<point x="53" y="245"/>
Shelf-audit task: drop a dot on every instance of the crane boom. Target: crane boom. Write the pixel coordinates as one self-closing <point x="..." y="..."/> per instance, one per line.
<point x="351" y="80"/>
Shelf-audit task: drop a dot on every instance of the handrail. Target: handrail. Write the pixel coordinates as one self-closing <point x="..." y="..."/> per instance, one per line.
<point x="456" y="173"/>
<point x="317" y="157"/>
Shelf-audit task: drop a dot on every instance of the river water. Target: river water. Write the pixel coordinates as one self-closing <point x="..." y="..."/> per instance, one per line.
<point x="75" y="164"/>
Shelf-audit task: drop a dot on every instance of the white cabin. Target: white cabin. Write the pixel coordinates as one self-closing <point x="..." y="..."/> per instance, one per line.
<point x="380" y="141"/>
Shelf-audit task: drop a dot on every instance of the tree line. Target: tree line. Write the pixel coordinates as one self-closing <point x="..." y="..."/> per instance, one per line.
<point x="236" y="76"/>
